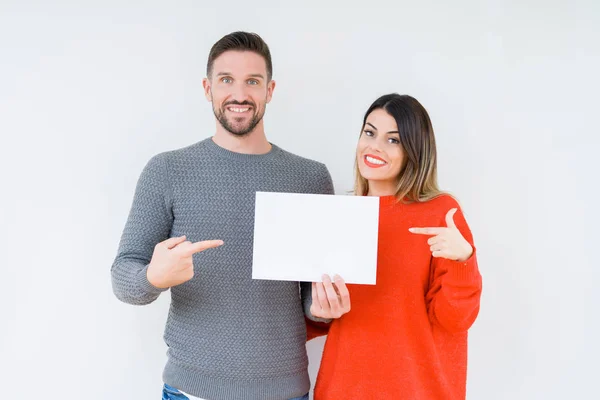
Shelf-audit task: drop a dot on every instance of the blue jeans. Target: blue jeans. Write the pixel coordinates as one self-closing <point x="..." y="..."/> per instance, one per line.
<point x="170" y="393"/>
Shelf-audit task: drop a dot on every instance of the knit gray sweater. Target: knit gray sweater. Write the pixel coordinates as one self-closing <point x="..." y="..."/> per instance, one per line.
<point x="228" y="336"/>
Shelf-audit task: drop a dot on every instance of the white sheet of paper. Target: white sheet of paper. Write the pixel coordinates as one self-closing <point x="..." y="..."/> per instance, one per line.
<point x="300" y="237"/>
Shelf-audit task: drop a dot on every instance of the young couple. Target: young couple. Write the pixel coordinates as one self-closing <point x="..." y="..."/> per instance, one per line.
<point x="190" y="230"/>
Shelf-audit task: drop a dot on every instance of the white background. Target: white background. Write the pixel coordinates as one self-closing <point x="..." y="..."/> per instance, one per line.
<point x="89" y="91"/>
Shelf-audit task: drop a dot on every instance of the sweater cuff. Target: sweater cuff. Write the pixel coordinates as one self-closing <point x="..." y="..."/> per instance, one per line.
<point x="319" y="319"/>
<point x="463" y="270"/>
<point x="145" y="285"/>
<point x="307" y="304"/>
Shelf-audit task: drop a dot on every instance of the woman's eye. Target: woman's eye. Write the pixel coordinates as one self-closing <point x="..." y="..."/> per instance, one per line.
<point x="393" y="141"/>
<point x="368" y="133"/>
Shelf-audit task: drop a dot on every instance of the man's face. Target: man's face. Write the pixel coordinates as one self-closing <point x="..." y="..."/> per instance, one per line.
<point x="239" y="90"/>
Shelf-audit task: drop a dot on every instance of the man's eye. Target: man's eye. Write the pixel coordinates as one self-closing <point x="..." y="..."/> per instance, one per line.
<point x="226" y="80"/>
<point x="253" y="82"/>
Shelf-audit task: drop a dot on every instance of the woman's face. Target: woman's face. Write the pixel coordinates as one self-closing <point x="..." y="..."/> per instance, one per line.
<point x="379" y="154"/>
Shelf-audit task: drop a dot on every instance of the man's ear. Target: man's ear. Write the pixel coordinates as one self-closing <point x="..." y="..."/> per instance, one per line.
<point x="270" y="89"/>
<point x="206" y="86"/>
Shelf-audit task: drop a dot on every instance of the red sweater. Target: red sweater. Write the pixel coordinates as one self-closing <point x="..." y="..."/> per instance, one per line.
<point x="406" y="336"/>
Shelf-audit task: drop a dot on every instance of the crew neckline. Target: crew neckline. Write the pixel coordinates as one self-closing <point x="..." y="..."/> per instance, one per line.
<point x="240" y="156"/>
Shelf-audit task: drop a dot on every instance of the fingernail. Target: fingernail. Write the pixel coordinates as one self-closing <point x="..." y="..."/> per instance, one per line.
<point x="411" y="229"/>
<point x="326" y="277"/>
<point x="336" y="277"/>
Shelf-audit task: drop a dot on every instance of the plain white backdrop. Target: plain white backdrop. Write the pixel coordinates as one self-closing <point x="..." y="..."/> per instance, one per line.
<point x="90" y="90"/>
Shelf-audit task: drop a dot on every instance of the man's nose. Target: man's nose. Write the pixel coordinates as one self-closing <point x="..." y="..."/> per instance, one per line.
<point x="239" y="93"/>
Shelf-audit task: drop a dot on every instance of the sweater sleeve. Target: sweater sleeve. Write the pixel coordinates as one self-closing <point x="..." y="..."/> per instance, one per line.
<point x="324" y="183"/>
<point x="315" y="326"/>
<point x="455" y="287"/>
<point x="306" y="294"/>
<point x="149" y="222"/>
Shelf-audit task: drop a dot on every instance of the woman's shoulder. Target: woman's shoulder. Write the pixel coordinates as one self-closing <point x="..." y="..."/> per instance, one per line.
<point x="443" y="201"/>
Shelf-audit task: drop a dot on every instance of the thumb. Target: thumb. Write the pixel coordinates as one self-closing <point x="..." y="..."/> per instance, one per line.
<point x="450" y="218"/>
<point x="172" y="242"/>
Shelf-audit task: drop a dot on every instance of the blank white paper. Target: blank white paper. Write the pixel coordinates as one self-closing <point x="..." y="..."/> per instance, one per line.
<point x="300" y="237"/>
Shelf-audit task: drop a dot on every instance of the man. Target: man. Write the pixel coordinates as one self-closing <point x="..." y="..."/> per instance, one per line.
<point x="190" y="229"/>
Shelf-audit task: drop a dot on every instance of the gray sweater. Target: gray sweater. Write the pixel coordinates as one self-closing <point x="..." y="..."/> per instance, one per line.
<point x="228" y="336"/>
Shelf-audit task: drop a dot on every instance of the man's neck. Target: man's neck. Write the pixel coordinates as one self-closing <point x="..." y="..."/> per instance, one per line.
<point x="254" y="142"/>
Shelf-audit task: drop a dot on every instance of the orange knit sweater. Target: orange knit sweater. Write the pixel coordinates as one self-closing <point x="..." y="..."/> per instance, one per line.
<point x="405" y="338"/>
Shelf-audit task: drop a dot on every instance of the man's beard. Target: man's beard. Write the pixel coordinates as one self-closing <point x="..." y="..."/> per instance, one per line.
<point x="237" y="129"/>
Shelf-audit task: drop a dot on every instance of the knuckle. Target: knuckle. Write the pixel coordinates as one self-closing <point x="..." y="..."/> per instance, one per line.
<point x="177" y="256"/>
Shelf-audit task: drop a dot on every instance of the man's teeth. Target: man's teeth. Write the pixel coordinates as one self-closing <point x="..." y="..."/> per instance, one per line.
<point x="375" y="161"/>
<point x="238" y="109"/>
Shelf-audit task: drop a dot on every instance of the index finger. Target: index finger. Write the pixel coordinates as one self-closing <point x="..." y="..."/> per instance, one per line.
<point x="332" y="296"/>
<point x="203" y="245"/>
<point x="343" y="291"/>
<point x="427" y="231"/>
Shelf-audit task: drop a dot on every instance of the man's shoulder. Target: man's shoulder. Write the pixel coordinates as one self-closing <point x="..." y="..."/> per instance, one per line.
<point x="301" y="161"/>
<point x="180" y="153"/>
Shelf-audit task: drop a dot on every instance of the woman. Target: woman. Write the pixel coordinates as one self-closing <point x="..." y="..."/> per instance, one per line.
<point x="406" y="336"/>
